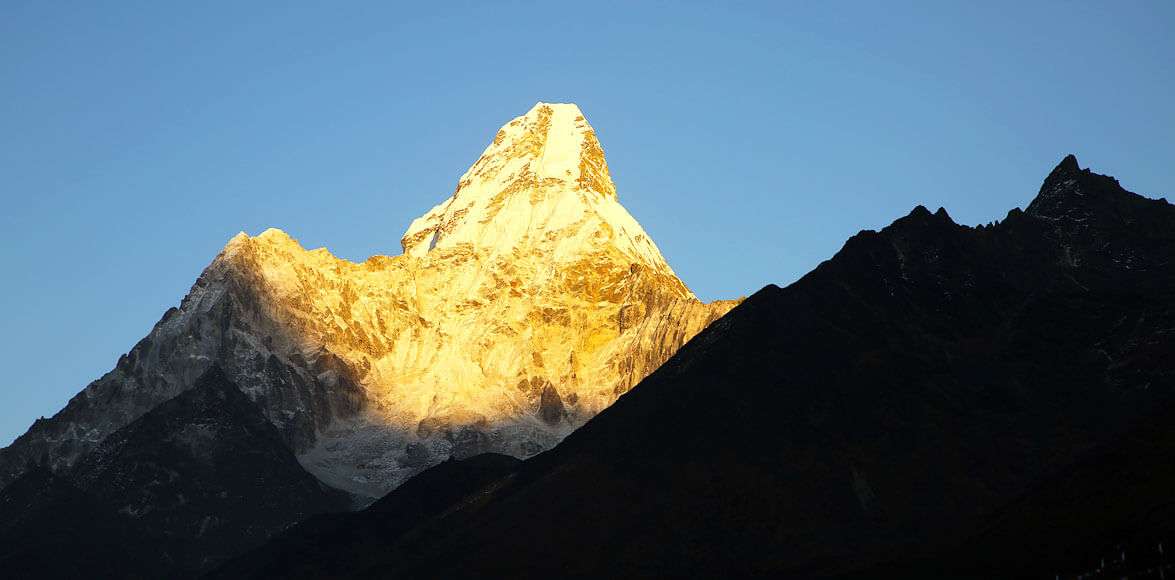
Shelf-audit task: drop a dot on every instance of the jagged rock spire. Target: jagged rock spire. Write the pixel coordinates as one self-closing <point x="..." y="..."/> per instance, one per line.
<point x="523" y="305"/>
<point x="542" y="184"/>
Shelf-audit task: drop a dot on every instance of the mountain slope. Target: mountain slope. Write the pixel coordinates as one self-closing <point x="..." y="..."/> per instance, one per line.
<point x="876" y="415"/>
<point x="1108" y="515"/>
<point x="224" y="321"/>
<point x="199" y="478"/>
<point x="521" y="306"/>
<point x="329" y="545"/>
<point x="51" y="529"/>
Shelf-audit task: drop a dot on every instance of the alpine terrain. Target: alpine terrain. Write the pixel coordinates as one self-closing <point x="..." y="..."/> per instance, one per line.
<point x="522" y="305"/>
<point x="934" y="401"/>
<point x="187" y="484"/>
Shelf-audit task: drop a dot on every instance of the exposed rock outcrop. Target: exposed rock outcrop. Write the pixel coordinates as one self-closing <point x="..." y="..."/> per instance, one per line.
<point x="522" y="305"/>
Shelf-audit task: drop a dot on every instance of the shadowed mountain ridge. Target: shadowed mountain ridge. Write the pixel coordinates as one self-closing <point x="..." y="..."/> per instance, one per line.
<point x="880" y="412"/>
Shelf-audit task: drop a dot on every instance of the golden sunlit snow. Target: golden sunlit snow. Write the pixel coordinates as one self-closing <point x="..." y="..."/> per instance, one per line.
<point x="531" y="278"/>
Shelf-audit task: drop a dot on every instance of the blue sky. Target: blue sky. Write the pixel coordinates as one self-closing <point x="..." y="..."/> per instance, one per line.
<point x="749" y="139"/>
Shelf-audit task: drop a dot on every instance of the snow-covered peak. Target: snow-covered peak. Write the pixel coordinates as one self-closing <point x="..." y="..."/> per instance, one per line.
<point x="523" y="305"/>
<point x="272" y="237"/>
<point x="552" y="141"/>
<point x="541" y="186"/>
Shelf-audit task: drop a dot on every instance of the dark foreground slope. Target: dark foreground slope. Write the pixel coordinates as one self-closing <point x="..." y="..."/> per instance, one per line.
<point x="329" y="545"/>
<point x="199" y="478"/>
<point x="1108" y="515"/>
<point x="934" y="400"/>
<point x="51" y="529"/>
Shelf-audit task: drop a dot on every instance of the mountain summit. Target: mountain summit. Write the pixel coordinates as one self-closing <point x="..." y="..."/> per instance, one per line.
<point x="542" y="185"/>
<point x="934" y="401"/>
<point x="522" y="305"/>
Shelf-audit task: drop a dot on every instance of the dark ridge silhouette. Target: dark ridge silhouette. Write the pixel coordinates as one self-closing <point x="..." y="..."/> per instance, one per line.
<point x="935" y="400"/>
<point x="199" y="478"/>
<point x="51" y="529"/>
<point x="326" y="546"/>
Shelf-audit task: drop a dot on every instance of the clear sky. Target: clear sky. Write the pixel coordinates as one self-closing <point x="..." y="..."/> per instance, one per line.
<point x="748" y="139"/>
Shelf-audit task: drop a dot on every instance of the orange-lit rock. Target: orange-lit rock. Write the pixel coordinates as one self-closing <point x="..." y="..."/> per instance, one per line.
<point x="521" y="306"/>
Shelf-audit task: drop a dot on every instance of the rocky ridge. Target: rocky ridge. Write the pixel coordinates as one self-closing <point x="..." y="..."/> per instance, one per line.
<point x="521" y="306"/>
<point x="934" y="401"/>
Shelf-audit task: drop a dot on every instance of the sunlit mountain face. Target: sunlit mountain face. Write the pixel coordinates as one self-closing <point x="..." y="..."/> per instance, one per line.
<point x="522" y="305"/>
<point x="934" y="401"/>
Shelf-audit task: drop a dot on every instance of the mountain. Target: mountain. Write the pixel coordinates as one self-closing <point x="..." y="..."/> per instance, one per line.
<point x="328" y="545"/>
<point x="51" y="529"/>
<point x="195" y="480"/>
<point x="521" y="306"/>
<point x="936" y="400"/>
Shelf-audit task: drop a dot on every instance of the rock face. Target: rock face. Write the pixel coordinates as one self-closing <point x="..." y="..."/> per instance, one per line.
<point x="328" y="545"/>
<point x="935" y="401"/>
<point x="521" y="306"/>
<point x="197" y="479"/>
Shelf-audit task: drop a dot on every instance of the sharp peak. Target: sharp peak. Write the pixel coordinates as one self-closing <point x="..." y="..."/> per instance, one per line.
<point x="1067" y="167"/>
<point x="921" y="218"/>
<point x="274" y="234"/>
<point x="553" y="117"/>
<point x="556" y="137"/>
<point x="214" y="375"/>
<point x="920" y="212"/>
<point x="540" y="104"/>
<point x="1069" y="163"/>
<point x="272" y="239"/>
<point x="214" y="386"/>
<point x="269" y="236"/>
<point x="1068" y="183"/>
<point x="543" y="179"/>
